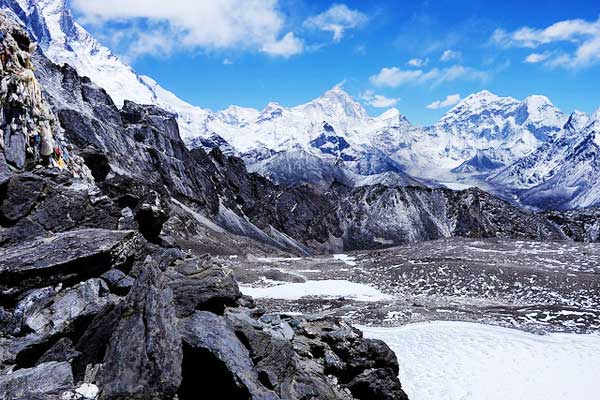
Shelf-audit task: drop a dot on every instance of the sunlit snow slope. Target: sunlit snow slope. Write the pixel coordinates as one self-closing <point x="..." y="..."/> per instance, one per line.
<point x="467" y="361"/>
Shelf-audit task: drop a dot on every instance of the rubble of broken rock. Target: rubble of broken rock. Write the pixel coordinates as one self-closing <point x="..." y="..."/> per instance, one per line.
<point x="540" y="287"/>
<point x="88" y="308"/>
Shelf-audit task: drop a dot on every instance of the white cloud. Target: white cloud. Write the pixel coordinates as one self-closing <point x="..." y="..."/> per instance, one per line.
<point x="337" y="19"/>
<point x="227" y="61"/>
<point x="394" y="76"/>
<point x="288" y="46"/>
<point x="206" y="24"/>
<point x="535" y="58"/>
<point x="583" y="38"/>
<point x="377" y="100"/>
<point x="450" y="55"/>
<point x="149" y="43"/>
<point x="418" y="62"/>
<point x="450" y="100"/>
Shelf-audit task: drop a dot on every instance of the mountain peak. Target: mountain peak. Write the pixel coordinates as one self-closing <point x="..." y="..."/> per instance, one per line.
<point x="337" y="103"/>
<point x="476" y="103"/>
<point x="537" y="99"/>
<point x="272" y="106"/>
<point x="577" y="121"/>
<point x="482" y="95"/>
<point x="479" y="100"/>
<point x="391" y="113"/>
<point x="339" y="94"/>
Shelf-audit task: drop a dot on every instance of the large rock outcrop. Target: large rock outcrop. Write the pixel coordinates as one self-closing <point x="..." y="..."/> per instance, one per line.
<point x="96" y="300"/>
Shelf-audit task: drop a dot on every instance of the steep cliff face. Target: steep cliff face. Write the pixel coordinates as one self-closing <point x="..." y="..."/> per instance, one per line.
<point x="141" y="145"/>
<point x="380" y="216"/>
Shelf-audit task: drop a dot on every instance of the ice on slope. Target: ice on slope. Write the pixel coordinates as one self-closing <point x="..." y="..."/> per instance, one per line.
<point x="466" y="361"/>
<point x="323" y="288"/>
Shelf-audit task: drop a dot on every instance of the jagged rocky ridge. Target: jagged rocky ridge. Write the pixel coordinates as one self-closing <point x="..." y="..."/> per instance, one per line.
<point x="96" y="302"/>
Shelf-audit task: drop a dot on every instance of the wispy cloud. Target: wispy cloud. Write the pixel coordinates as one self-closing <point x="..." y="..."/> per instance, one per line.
<point x="288" y="46"/>
<point x="449" y="55"/>
<point x="206" y="24"/>
<point x="360" y="50"/>
<point x="337" y="20"/>
<point x="418" y="62"/>
<point x="580" y="36"/>
<point x="535" y="58"/>
<point x="450" y="100"/>
<point x="395" y="77"/>
<point x="378" y="100"/>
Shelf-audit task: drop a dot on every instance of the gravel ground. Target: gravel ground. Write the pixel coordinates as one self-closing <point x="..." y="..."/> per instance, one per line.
<point x="534" y="286"/>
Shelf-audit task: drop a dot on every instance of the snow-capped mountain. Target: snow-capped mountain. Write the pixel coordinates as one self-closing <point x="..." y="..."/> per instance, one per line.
<point x="527" y="148"/>
<point x="511" y="127"/>
<point x="563" y="172"/>
<point x="336" y="127"/>
<point x="63" y="40"/>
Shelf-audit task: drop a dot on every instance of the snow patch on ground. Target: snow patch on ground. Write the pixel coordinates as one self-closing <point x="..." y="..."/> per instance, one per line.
<point x="468" y="361"/>
<point x="88" y="390"/>
<point x="323" y="288"/>
<point x="348" y="260"/>
<point x="456" y="185"/>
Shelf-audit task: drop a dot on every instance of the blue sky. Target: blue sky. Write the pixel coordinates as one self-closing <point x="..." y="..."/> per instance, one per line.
<point x="421" y="56"/>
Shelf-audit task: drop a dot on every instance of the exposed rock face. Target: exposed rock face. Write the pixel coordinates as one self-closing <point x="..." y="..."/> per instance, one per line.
<point x="293" y="354"/>
<point x="580" y="225"/>
<point x="380" y="216"/>
<point x="63" y="258"/>
<point x="126" y="340"/>
<point x="143" y="358"/>
<point x="140" y="320"/>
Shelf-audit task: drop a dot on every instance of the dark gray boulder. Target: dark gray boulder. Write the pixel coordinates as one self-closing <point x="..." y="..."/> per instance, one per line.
<point x="61" y="351"/>
<point x="222" y="367"/>
<point x="281" y="362"/>
<point x="21" y="194"/>
<point x="321" y="357"/>
<point x="201" y="284"/>
<point x="144" y="356"/>
<point x="118" y="282"/>
<point x="377" y="384"/>
<point x="94" y="340"/>
<point x="65" y="258"/>
<point x="48" y="378"/>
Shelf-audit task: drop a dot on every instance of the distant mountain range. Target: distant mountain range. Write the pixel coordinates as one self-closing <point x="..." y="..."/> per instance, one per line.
<point x="527" y="151"/>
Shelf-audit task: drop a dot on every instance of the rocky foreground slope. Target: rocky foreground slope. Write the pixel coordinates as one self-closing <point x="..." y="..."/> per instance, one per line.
<point x="95" y="302"/>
